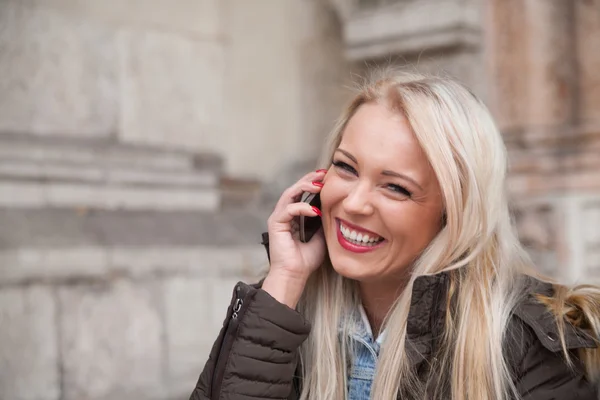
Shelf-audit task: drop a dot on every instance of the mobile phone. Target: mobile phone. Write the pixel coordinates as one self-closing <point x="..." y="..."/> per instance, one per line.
<point x="309" y="225"/>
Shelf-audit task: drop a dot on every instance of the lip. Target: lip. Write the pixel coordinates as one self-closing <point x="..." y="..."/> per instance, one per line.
<point x="351" y="246"/>
<point x="357" y="228"/>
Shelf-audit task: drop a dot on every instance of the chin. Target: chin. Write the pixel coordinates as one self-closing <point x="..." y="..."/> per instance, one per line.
<point x="352" y="269"/>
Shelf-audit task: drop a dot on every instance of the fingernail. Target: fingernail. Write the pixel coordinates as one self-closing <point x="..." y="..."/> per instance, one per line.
<point x="317" y="183"/>
<point x="321" y="170"/>
<point x="317" y="211"/>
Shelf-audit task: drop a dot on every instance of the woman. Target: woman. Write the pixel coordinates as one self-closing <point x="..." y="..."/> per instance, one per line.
<point x="417" y="286"/>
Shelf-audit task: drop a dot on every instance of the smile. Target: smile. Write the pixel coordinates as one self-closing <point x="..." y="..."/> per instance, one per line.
<point x="357" y="240"/>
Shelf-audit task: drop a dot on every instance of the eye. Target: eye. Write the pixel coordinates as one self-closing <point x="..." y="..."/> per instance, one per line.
<point x="344" y="166"/>
<point x="399" y="189"/>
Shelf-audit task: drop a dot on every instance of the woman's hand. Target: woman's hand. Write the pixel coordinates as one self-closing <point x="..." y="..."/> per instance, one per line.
<point x="292" y="262"/>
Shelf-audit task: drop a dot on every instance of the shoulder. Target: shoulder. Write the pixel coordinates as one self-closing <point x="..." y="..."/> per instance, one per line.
<point x="534" y="350"/>
<point x="531" y="320"/>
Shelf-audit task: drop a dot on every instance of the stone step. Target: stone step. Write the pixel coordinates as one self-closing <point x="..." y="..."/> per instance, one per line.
<point x="65" y="244"/>
<point x="37" y="172"/>
<point x="61" y="228"/>
<point x="96" y="174"/>
<point x="100" y="153"/>
<point x="35" y="195"/>
<point x="89" y="155"/>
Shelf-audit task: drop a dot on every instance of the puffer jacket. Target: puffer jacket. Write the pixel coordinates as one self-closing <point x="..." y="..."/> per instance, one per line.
<point x="255" y="355"/>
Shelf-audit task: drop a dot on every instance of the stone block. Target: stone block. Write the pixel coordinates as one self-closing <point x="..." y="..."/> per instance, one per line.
<point x="411" y="28"/>
<point x="592" y="270"/>
<point x="76" y="153"/>
<point x="235" y="262"/>
<point x="25" y="170"/>
<point x="116" y="197"/>
<point x="93" y="263"/>
<point x="538" y="226"/>
<point x="112" y="341"/>
<point x="591" y="217"/>
<point x="48" y="171"/>
<point x="107" y="197"/>
<point x="561" y="234"/>
<point x="28" y="344"/>
<point x="465" y="65"/>
<point x="27" y="264"/>
<point x="588" y="43"/>
<point x="28" y="195"/>
<point x="196" y="17"/>
<point x="507" y="57"/>
<point x="195" y="179"/>
<point x="195" y="309"/>
<point x="172" y="89"/>
<point x="262" y="47"/>
<point x="551" y="70"/>
<point x="591" y="236"/>
<point x="190" y="332"/>
<point x="324" y="73"/>
<point x="58" y="74"/>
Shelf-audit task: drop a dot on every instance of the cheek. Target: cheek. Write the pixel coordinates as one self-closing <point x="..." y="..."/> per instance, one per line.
<point x="332" y="193"/>
<point x="412" y="224"/>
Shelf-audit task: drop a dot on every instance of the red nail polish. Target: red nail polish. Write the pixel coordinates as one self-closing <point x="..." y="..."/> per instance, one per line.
<point x="321" y="170"/>
<point x="317" y="183"/>
<point x="317" y="211"/>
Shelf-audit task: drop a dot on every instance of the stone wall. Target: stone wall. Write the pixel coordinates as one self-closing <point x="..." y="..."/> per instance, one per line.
<point x="117" y="261"/>
<point x="131" y="72"/>
<point x="544" y="84"/>
<point x="116" y="305"/>
<point x="120" y="122"/>
<point x="230" y="77"/>
<point x="117" y="334"/>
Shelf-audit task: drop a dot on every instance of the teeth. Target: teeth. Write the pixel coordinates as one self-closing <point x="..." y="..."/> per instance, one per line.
<point x="359" y="238"/>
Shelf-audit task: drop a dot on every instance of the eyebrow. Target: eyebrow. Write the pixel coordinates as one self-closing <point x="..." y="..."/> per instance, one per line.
<point x="384" y="172"/>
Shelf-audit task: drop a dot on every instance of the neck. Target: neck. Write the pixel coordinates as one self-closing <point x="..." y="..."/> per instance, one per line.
<point x="378" y="298"/>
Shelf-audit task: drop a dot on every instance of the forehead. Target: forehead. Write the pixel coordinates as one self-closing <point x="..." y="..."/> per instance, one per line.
<point x="377" y="135"/>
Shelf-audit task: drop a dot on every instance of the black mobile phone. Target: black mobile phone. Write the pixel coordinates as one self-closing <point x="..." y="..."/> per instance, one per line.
<point x="309" y="225"/>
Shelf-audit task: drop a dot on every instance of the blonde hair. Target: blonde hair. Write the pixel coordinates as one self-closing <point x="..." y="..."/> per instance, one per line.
<point x="477" y="247"/>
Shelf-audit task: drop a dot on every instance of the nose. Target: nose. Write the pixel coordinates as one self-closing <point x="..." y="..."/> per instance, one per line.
<point x="358" y="200"/>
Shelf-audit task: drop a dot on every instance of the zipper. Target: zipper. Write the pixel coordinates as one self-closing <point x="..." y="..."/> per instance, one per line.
<point x="237" y="311"/>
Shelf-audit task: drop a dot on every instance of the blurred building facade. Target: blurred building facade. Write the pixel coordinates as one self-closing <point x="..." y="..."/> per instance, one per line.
<point x="142" y="142"/>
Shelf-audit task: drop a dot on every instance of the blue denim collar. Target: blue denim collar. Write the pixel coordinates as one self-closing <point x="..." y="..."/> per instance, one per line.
<point x="425" y="319"/>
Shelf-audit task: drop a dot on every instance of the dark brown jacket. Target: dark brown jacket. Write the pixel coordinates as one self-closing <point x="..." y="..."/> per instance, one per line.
<point x="254" y="356"/>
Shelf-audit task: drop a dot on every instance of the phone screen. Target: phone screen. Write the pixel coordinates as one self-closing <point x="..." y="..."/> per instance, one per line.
<point x="310" y="225"/>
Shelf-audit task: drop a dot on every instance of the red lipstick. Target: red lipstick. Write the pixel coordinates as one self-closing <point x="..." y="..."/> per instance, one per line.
<point x="354" y="247"/>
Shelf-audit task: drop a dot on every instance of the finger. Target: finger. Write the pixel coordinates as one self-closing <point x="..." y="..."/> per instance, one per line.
<point x="310" y="182"/>
<point x="281" y="221"/>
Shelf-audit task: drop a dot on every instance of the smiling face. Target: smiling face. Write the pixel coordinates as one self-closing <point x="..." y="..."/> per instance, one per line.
<point x="381" y="201"/>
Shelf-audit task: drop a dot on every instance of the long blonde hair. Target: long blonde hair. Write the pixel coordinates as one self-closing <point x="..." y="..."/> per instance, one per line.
<point x="477" y="246"/>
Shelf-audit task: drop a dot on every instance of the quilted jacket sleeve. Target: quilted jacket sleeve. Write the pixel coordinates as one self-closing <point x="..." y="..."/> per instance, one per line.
<point x="254" y="356"/>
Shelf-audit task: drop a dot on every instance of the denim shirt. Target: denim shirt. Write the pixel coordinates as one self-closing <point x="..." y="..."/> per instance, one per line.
<point x="364" y="359"/>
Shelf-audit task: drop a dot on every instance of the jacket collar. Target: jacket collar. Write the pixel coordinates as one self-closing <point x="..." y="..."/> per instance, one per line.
<point x="426" y="316"/>
<point x="543" y="322"/>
